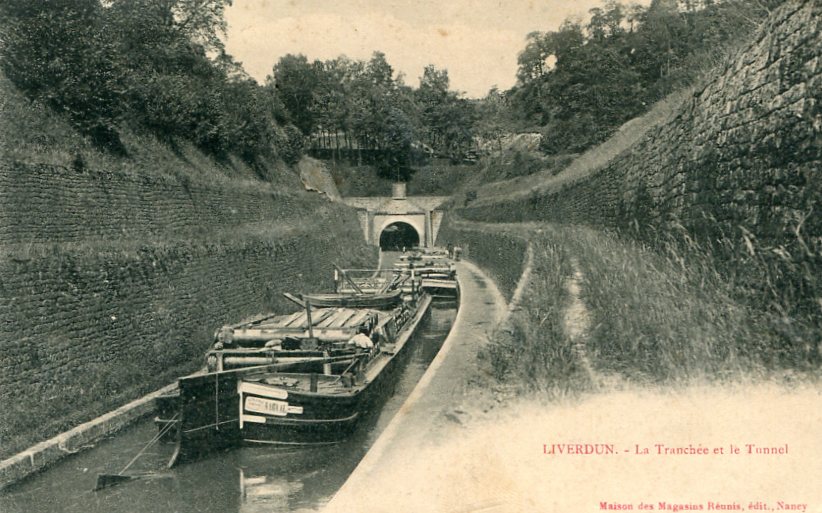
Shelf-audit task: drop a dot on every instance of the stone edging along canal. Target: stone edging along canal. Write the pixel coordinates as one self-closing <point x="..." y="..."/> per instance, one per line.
<point x="40" y="456"/>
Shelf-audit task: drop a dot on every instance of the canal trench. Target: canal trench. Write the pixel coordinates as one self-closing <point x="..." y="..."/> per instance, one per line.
<point x="245" y="480"/>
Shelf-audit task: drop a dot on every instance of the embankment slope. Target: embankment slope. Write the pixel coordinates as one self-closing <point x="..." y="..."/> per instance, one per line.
<point x="116" y="270"/>
<point x="736" y="166"/>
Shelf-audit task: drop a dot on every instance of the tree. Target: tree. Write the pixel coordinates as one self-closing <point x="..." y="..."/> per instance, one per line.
<point x="200" y="21"/>
<point x="432" y="98"/>
<point x="447" y="120"/>
<point x="494" y="117"/>
<point x="607" y="22"/>
<point x="663" y="31"/>
<point x="532" y="60"/>
<point x="590" y="97"/>
<point x="397" y="136"/>
<point x="296" y="82"/>
<point x="459" y="130"/>
<point x="635" y="16"/>
<point x="379" y="72"/>
<point x="529" y="99"/>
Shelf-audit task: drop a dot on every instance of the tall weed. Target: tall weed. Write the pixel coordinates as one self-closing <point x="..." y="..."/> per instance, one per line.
<point x="667" y="312"/>
<point x="532" y="351"/>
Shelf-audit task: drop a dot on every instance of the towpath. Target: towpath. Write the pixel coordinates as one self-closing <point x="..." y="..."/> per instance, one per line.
<point x="432" y="414"/>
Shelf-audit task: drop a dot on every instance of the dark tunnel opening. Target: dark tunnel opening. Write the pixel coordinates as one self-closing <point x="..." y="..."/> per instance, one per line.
<point x="399" y="236"/>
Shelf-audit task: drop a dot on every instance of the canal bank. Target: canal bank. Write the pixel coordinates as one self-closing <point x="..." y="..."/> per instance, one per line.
<point x="45" y="454"/>
<point x="434" y="412"/>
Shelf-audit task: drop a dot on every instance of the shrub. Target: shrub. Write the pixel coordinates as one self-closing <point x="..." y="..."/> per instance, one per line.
<point x="58" y="52"/>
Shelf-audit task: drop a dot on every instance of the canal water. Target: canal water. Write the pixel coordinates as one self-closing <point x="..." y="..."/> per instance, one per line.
<point x="245" y="480"/>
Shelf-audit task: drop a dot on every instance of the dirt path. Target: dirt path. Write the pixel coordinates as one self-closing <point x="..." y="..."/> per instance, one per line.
<point x="577" y="320"/>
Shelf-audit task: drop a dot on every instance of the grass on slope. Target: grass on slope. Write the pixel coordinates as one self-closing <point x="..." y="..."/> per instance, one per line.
<point x="589" y="162"/>
<point x="655" y="318"/>
<point x="32" y="133"/>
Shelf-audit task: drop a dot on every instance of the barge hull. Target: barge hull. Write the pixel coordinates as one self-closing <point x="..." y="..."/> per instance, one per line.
<point x="330" y="419"/>
<point x="209" y="409"/>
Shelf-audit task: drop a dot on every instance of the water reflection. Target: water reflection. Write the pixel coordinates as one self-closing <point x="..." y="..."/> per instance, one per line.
<point x="246" y="480"/>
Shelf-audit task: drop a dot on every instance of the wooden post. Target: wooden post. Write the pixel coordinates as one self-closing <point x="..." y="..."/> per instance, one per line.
<point x="326" y="365"/>
<point x="358" y="377"/>
<point x="308" y="318"/>
<point x="313" y="384"/>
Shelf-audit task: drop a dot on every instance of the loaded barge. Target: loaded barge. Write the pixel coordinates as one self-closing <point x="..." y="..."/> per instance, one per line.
<point x="305" y="378"/>
<point x="433" y="272"/>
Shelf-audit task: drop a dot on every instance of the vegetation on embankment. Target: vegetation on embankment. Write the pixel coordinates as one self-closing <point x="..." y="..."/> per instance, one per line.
<point x="578" y="84"/>
<point x="517" y="175"/>
<point x="439" y="178"/>
<point x="671" y="316"/>
<point x="654" y="317"/>
<point x="531" y="351"/>
<point x="33" y="134"/>
<point x="153" y="68"/>
<point x="159" y="70"/>
<point x="611" y="75"/>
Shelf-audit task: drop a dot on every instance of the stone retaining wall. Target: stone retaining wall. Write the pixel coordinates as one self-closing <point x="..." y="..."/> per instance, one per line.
<point x="738" y="167"/>
<point x="111" y="285"/>
<point x="501" y="255"/>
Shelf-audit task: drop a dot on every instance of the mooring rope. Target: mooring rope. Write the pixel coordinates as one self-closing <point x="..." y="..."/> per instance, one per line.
<point x="217" y="402"/>
<point x="151" y="442"/>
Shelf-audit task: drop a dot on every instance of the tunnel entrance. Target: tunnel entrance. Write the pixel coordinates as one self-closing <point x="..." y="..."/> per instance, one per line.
<point x="397" y="236"/>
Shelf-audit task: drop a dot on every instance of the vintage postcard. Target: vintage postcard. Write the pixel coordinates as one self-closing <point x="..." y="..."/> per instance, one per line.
<point x="410" y="256"/>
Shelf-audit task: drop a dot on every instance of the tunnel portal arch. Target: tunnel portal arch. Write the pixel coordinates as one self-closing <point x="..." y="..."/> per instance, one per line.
<point x="399" y="235"/>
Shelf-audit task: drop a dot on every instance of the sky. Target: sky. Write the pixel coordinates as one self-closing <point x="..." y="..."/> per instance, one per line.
<point x="477" y="41"/>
